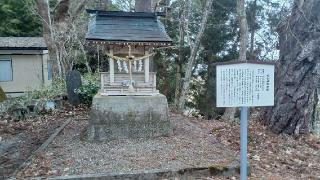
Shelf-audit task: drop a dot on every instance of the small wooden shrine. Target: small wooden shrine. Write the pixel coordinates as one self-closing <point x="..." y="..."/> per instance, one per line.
<point x="128" y="39"/>
<point x="128" y="104"/>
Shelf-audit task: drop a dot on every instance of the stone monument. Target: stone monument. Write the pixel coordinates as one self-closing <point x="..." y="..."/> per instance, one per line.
<point x="128" y="104"/>
<point x="73" y="82"/>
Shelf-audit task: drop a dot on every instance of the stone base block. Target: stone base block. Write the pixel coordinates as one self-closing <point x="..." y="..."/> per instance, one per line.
<point x="120" y="117"/>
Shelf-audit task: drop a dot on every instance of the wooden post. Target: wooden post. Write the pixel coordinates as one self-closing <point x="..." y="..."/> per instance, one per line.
<point x="111" y="66"/>
<point x="102" y="82"/>
<point x="98" y="54"/>
<point x="146" y="67"/>
<point x="154" y="88"/>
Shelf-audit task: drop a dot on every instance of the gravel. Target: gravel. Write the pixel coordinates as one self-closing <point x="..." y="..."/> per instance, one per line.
<point x="192" y="145"/>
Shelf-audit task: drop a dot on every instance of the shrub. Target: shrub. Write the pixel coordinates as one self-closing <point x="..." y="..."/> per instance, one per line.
<point x="51" y="91"/>
<point x="18" y="107"/>
<point x="89" y="88"/>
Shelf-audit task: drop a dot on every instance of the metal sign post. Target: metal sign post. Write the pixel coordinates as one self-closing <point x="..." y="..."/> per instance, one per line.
<point x="243" y="143"/>
<point x="245" y="84"/>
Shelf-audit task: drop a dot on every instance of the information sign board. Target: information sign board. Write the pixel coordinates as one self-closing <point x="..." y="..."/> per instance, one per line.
<point x="245" y="85"/>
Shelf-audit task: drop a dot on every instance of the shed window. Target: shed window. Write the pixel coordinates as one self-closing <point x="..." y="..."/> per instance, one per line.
<point x="5" y="70"/>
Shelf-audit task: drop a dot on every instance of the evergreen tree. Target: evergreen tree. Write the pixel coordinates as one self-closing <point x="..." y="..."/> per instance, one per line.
<point x="17" y="19"/>
<point x="218" y="45"/>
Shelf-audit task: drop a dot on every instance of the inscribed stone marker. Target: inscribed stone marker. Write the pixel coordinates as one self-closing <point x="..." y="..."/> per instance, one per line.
<point x="73" y="81"/>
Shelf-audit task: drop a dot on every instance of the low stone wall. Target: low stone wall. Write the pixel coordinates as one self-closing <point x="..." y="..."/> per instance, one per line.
<point x="119" y="117"/>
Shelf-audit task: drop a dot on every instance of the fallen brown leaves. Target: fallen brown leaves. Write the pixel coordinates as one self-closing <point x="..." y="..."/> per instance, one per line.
<point x="40" y="167"/>
<point x="273" y="156"/>
<point x="25" y="136"/>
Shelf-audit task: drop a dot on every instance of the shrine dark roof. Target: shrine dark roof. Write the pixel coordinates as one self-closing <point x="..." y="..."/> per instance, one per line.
<point x="116" y="27"/>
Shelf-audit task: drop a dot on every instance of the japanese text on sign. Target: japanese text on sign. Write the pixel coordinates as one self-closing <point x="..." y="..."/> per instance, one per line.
<point x="245" y="84"/>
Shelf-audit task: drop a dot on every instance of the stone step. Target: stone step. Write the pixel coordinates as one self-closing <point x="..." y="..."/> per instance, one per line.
<point x="120" y="117"/>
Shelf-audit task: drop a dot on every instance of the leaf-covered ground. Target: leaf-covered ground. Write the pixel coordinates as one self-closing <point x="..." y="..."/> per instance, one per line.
<point x="271" y="156"/>
<point x="18" y="140"/>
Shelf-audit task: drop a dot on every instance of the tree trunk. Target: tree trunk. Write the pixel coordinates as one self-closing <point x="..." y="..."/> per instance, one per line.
<point x="143" y="6"/>
<point x="178" y="85"/>
<point x="56" y="29"/>
<point x="253" y="29"/>
<point x="298" y="74"/>
<point x="62" y="11"/>
<point x="194" y="50"/>
<point x="49" y="32"/>
<point x="210" y="92"/>
<point x="243" y="30"/>
<point x="230" y="113"/>
<point x="315" y="124"/>
<point x="181" y="55"/>
<point x="44" y="11"/>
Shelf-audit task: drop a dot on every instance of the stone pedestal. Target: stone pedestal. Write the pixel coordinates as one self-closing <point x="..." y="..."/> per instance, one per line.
<point x="119" y="117"/>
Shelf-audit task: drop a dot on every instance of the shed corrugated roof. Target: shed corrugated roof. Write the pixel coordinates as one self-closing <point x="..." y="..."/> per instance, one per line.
<point x="31" y="43"/>
<point x="126" y="27"/>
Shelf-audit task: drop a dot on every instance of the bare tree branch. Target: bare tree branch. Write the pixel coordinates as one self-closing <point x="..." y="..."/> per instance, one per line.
<point x="191" y="60"/>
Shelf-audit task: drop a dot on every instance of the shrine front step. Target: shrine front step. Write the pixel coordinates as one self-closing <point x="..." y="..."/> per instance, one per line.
<point x="123" y="90"/>
<point x="121" y="117"/>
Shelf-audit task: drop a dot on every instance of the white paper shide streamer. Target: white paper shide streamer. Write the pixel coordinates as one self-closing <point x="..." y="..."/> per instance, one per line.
<point x="119" y="66"/>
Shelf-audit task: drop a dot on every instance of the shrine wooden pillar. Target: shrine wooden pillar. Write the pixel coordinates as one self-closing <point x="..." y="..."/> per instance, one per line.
<point x="111" y="66"/>
<point x="146" y="67"/>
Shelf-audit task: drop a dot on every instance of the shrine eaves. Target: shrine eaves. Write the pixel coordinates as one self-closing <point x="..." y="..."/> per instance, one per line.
<point x="126" y="28"/>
